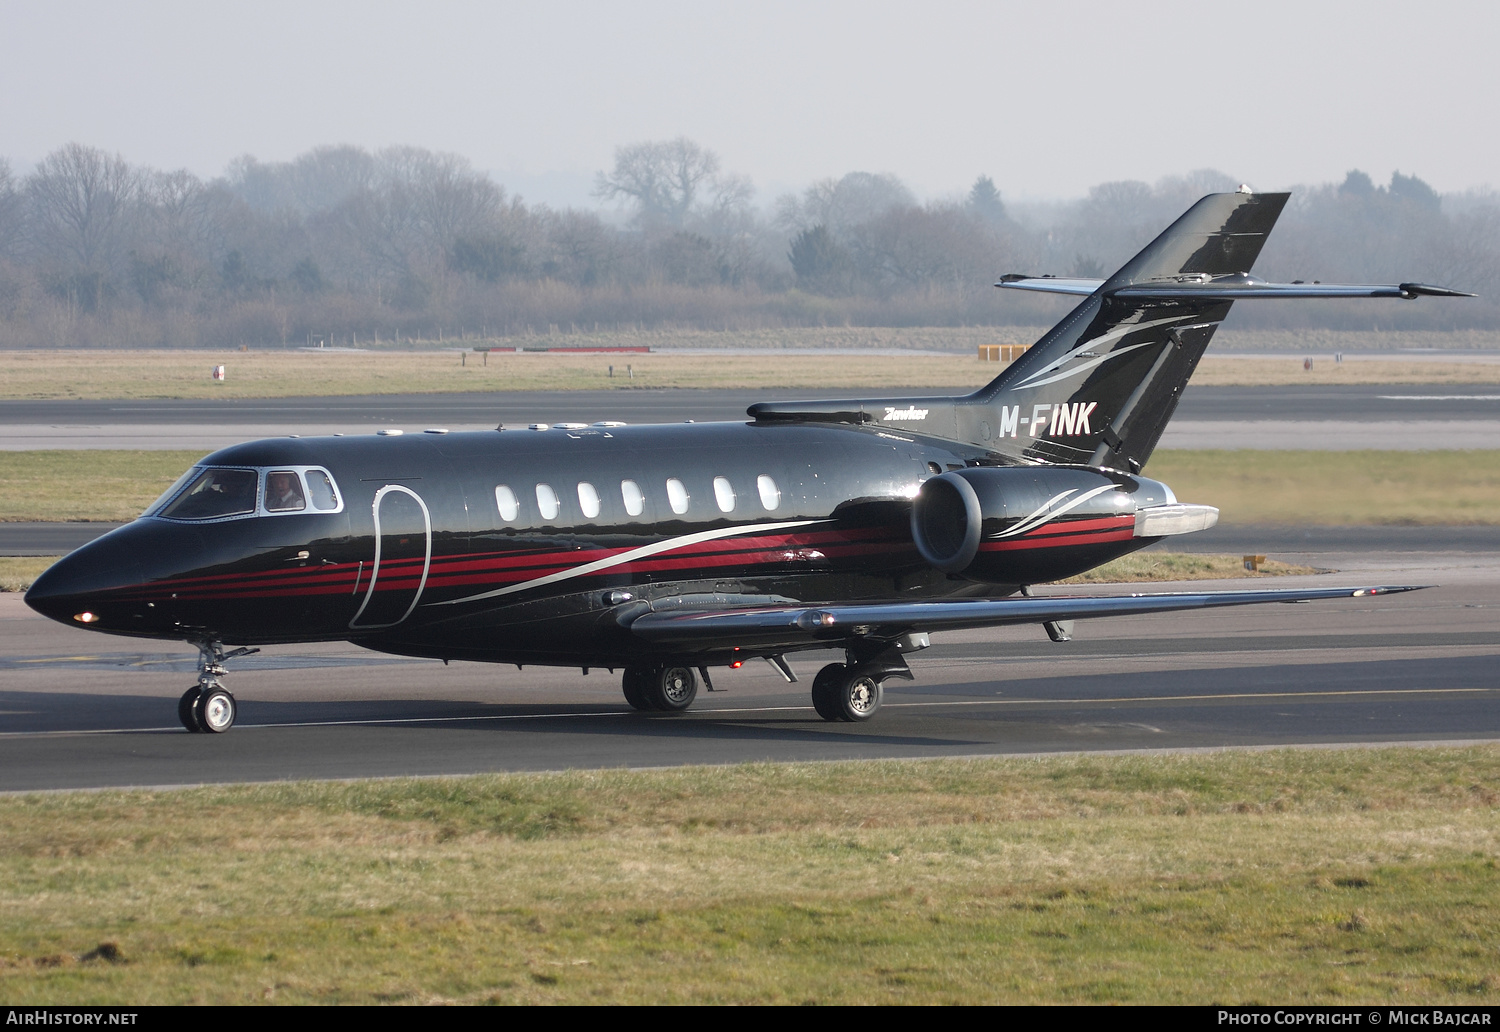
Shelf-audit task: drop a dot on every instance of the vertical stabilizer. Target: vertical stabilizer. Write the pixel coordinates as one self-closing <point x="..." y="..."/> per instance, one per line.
<point x="1100" y="386"/>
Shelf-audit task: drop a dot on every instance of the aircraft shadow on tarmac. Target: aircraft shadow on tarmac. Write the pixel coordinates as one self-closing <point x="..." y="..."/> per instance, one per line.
<point x="1376" y="696"/>
<point x="61" y="712"/>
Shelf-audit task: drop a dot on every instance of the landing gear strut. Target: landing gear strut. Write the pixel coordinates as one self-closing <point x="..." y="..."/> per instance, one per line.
<point x="207" y="707"/>
<point x="854" y="690"/>
<point x="665" y="687"/>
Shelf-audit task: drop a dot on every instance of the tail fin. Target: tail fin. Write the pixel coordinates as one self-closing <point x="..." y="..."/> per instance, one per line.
<point x="1099" y="388"/>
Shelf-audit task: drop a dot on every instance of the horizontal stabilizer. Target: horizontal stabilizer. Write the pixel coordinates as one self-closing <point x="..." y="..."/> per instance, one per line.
<point x="803" y="626"/>
<point x="1049" y="284"/>
<point x="1223" y="288"/>
<point x="1242" y="288"/>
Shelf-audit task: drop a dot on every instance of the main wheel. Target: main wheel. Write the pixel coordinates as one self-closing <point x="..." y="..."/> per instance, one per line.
<point x="215" y="711"/>
<point x="187" y="709"/>
<point x="634" y="685"/>
<point x="860" y="696"/>
<point x="825" y="691"/>
<point x="672" y="688"/>
<point x="846" y="693"/>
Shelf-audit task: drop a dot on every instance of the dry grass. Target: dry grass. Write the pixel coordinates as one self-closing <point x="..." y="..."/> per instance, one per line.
<point x="1280" y="876"/>
<point x="18" y="571"/>
<point x="1338" y="488"/>
<point x="1169" y="566"/>
<point x="106" y="486"/>
<point x="775" y="363"/>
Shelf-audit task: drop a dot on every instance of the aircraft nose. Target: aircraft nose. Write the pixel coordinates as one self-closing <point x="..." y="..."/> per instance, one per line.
<point x="93" y="586"/>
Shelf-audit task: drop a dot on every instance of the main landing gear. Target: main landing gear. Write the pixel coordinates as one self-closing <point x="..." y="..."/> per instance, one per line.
<point x="851" y="691"/>
<point x="665" y="687"/>
<point x="207" y="707"/>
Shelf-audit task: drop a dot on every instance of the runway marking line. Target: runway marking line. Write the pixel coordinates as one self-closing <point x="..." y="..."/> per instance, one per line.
<point x="372" y="721"/>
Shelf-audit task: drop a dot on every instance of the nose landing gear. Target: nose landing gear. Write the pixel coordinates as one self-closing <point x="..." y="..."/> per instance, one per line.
<point x="207" y="707"/>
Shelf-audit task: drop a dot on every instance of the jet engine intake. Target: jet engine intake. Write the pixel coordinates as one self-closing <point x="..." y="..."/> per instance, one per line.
<point x="1027" y="524"/>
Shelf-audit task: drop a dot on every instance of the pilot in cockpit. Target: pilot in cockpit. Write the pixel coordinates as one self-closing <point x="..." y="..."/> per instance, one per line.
<point x="284" y="492"/>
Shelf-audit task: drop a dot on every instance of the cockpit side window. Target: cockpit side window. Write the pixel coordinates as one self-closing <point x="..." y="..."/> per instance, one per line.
<point x="215" y="494"/>
<point x="320" y="489"/>
<point x="284" y="492"/>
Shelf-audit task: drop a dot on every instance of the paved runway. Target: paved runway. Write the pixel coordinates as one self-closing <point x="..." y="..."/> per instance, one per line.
<point x="1384" y="416"/>
<point x="86" y="710"/>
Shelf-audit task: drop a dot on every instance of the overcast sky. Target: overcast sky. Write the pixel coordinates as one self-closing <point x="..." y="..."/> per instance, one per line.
<point x="1046" y="98"/>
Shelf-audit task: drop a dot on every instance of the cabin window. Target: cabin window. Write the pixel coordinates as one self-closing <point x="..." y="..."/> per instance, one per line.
<point x="284" y="492"/>
<point x="633" y="497"/>
<point x="320" y="490"/>
<point x="507" y="503"/>
<point x="546" y="501"/>
<point x="216" y="493"/>
<point x="724" y="494"/>
<point x="588" y="500"/>
<point x="677" y="495"/>
<point x="770" y="494"/>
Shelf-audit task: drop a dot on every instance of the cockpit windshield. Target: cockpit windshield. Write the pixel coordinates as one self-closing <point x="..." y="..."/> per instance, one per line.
<point x="215" y="494"/>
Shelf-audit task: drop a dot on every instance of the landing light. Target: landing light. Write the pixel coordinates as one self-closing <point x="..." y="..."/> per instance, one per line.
<point x="86" y="618"/>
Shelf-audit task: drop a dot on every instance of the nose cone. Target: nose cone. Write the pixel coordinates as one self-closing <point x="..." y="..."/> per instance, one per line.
<point x="104" y="585"/>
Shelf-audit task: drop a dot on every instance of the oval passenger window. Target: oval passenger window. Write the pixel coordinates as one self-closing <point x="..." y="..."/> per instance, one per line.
<point x="724" y="494"/>
<point x="677" y="495"/>
<point x="506" y="502"/>
<point x="770" y="494"/>
<point x="588" y="500"/>
<point x="546" y="501"/>
<point x="631" y="495"/>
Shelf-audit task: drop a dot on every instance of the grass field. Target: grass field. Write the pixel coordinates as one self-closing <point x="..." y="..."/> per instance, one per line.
<point x="1453" y="487"/>
<point x="1324" y="876"/>
<point x="261" y="374"/>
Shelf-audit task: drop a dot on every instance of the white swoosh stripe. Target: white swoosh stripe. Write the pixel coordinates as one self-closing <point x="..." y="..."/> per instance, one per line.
<point x="1040" y="515"/>
<point x="631" y="556"/>
<point x="1023" y="527"/>
<point x="1094" y="342"/>
<point x="1090" y="364"/>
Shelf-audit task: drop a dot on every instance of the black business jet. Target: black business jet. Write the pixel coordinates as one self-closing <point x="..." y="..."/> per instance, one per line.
<point x="668" y="550"/>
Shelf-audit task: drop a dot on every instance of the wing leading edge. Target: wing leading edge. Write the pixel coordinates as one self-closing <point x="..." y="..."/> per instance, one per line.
<point x="792" y="627"/>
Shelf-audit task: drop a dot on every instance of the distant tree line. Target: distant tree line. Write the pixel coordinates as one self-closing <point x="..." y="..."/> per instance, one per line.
<point x="342" y="244"/>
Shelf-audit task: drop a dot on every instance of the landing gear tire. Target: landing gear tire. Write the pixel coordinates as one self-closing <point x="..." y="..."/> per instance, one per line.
<point x="215" y="711"/>
<point x="668" y="689"/>
<point x="634" y="685"/>
<point x="825" y="691"/>
<point x="846" y="693"/>
<point x="187" y="708"/>
<point x="672" y="689"/>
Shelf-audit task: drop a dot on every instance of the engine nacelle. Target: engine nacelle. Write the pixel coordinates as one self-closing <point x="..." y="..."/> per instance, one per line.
<point x="1025" y="524"/>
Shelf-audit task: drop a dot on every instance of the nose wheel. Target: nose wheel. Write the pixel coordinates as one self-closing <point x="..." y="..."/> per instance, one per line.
<point x="207" y="707"/>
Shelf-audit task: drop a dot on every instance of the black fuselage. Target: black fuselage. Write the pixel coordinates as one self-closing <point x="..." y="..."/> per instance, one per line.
<point x="456" y="570"/>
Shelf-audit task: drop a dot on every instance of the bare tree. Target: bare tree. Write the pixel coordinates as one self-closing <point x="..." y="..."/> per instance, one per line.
<point x="664" y="180"/>
<point x="79" y="199"/>
<point x="10" y="212"/>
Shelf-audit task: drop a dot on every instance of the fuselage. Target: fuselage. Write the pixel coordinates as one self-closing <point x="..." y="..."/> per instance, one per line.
<point x="536" y="546"/>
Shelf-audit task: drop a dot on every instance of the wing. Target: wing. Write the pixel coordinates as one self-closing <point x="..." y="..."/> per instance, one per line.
<point x="794" y="627"/>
